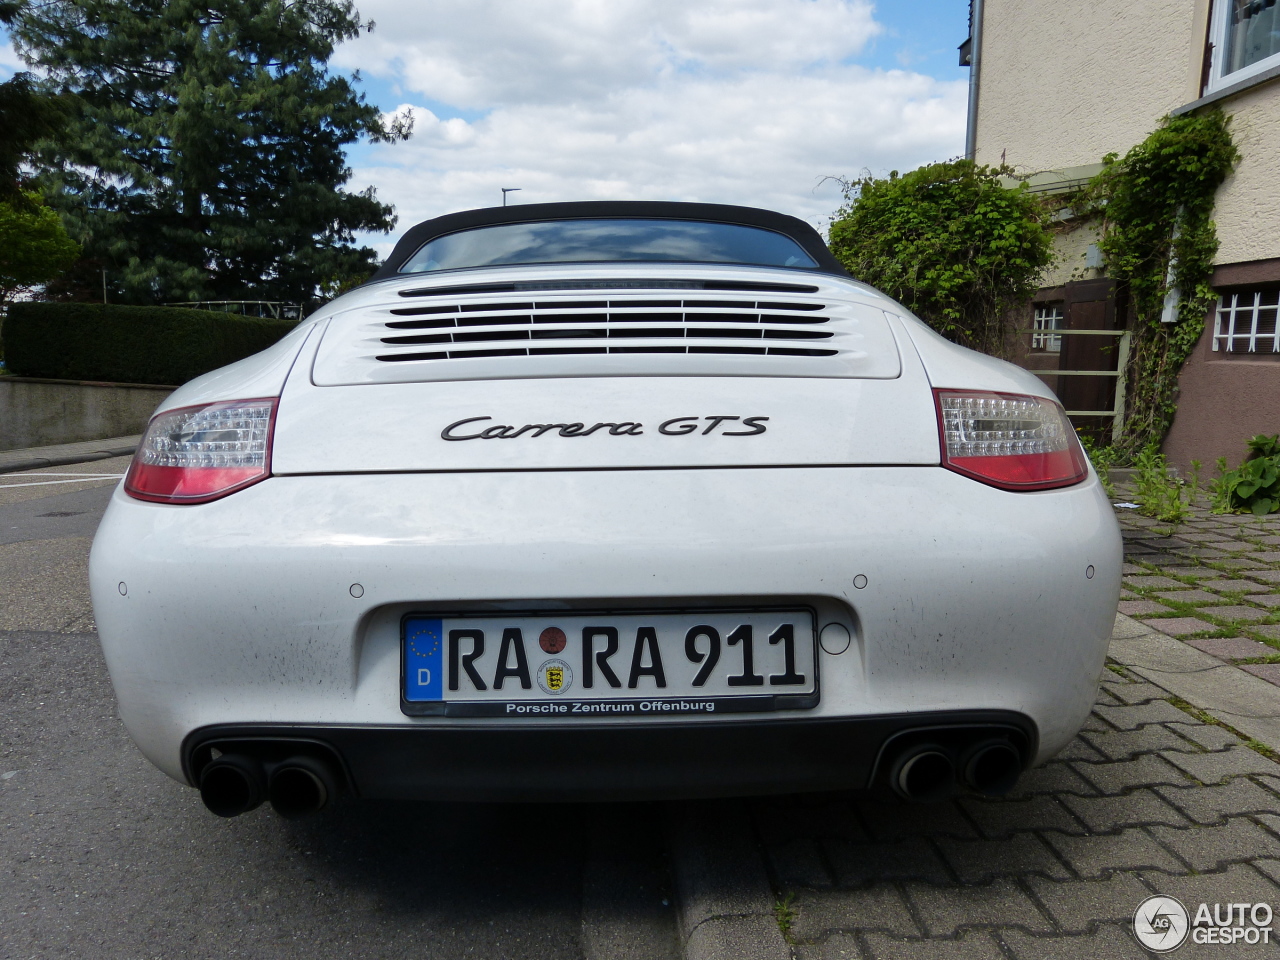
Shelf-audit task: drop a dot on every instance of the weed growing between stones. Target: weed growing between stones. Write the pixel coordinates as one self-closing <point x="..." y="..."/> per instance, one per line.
<point x="1167" y="498"/>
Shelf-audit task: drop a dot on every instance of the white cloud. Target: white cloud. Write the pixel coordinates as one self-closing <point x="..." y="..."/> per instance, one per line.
<point x="487" y="53"/>
<point x="736" y="101"/>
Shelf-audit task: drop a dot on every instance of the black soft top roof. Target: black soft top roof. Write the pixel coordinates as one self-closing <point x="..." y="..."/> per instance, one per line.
<point x="796" y="229"/>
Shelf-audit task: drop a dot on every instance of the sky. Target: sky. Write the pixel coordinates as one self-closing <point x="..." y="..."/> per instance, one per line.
<point x="756" y="102"/>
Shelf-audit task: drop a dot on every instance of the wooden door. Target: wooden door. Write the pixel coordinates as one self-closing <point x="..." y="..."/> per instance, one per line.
<point x="1089" y="305"/>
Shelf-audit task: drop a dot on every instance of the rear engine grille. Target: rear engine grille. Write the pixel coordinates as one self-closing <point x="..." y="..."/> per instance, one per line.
<point x="777" y="328"/>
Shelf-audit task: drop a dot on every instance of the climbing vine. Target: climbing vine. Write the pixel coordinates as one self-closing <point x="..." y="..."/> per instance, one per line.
<point x="1156" y="208"/>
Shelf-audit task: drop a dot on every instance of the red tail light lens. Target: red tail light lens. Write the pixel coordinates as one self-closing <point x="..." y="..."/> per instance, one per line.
<point x="1008" y="440"/>
<point x="197" y="454"/>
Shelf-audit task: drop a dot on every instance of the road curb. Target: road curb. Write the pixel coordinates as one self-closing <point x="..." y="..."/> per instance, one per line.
<point x="61" y="455"/>
<point x="1234" y="696"/>
<point x="723" y="898"/>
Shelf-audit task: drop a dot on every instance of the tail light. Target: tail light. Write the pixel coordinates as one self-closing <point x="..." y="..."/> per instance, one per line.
<point x="197" y="454"/>
<point x="1008" y="440"/>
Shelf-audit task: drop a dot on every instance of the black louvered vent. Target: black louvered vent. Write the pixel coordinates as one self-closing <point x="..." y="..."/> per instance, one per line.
<point x="778" y="328"/>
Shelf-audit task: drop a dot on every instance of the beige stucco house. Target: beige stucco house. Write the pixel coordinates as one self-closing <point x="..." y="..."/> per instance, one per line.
<point x="1056" y="86"/>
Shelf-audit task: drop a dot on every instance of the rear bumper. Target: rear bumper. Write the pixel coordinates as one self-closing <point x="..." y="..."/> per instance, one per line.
<point x="958" y="596"/>
<point x="641" y="761"/>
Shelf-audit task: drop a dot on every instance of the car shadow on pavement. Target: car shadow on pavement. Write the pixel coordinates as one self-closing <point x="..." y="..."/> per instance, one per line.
<point x="109" y="857"/>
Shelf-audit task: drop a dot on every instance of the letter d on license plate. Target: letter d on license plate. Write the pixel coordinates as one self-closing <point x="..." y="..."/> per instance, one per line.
<point x="423" y="677"/>
<point x="654" y="664"/>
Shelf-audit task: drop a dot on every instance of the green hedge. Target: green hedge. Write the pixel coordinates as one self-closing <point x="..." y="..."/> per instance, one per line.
<point x="123" y="344"/>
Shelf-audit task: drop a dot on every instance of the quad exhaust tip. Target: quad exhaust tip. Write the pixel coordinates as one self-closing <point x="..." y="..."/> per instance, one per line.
<point x="303" y="785"/>
<point x="927" y="772"/>
<point x="991" y="767"/>
<point x="923" y="774"/>
<point x="300" y="787"/>
<point x="235" y="783"/>
<point x="232" y="784"/>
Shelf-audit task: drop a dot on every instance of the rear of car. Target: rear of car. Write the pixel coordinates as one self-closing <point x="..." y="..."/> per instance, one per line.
<point x="570" y="530"/>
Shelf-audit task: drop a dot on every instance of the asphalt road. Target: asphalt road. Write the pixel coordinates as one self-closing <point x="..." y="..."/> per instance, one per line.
<point x="103" y="856"/>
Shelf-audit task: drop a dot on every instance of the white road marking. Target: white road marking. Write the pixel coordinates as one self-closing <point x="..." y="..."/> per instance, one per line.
<point x="46" y="483"/>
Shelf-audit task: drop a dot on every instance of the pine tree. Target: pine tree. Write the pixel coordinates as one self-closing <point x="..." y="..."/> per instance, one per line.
<point x="27" y="117"/>
<point x="206" y="159"/>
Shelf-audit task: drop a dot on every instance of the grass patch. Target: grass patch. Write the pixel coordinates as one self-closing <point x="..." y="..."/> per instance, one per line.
<point x="785" y="913"/>
<point x="1222" y="627"/>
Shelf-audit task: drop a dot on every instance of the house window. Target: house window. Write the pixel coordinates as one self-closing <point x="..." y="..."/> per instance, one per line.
<point x="1246" y="39"/>
<point x="1246" y="322"/>
<point x="1048" y="317"/>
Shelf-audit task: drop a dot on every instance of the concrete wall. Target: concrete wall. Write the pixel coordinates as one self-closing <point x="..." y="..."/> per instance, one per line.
<point x="1247" y="210"/>
<point x="36" y="413"/>
<point x="1063" y="84"/>
<point x="1070" y="247"/>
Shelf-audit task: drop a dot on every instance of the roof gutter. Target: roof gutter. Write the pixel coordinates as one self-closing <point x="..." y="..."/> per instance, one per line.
<point x="975" y="66"/>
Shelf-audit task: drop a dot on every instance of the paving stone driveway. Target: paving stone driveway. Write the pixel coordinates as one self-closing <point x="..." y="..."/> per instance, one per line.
<point x="1148" y="799"/>
<point x="1212" y="580"/>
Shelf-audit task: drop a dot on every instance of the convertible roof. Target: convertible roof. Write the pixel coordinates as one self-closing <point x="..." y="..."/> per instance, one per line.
<point x="796" y="229"/>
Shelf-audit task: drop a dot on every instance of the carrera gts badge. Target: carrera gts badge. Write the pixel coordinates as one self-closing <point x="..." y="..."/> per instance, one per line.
<point x="675" y="427"/>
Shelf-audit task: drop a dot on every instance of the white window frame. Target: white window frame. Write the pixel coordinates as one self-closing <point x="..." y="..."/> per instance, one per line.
<point x="1042" y="340"/>
<point x="1218" y="27"/>
<point x="1237" y="318"/>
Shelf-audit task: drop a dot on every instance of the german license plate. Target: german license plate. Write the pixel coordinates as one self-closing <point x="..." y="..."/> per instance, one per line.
<point x="598" y="665"/>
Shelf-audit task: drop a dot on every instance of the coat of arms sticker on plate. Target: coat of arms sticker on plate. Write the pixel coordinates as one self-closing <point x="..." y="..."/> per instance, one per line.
<point x="555" y="677"/>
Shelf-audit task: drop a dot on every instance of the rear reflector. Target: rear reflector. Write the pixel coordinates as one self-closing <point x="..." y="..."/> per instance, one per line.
<point x="197" y="454"/>
<point x="1008" y="440"/>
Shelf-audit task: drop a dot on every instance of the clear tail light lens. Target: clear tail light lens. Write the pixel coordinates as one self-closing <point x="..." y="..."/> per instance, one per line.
<point x="1008" y="440"/>
<point x="197" y="454"/>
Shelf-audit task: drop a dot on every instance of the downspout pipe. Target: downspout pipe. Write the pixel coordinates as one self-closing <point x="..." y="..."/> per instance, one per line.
<point x="975" y="70"/>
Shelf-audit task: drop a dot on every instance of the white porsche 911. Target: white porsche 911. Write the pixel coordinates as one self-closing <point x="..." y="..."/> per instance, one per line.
<point x="605" y="500"/>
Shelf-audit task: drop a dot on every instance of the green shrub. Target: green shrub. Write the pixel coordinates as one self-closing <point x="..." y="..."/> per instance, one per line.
<point x="124" y="344"/>
<point x="950" y="242"/>
<point x="1254" y="486"/>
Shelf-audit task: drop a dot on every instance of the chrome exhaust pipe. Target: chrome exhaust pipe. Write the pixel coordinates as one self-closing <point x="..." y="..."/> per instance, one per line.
<point x="302" y="786"/>
<point x="991" y="767"/>
<point x="923" y="774"/>
<point x="232" y="784"/>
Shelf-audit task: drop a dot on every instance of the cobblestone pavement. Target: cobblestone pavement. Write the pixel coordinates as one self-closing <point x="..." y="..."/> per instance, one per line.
<point x="1213" y="580"/>
<point x="1148" y="799"/>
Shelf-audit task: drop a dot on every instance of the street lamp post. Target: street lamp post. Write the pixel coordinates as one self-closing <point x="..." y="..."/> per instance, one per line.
<point x="505" y="191"/>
